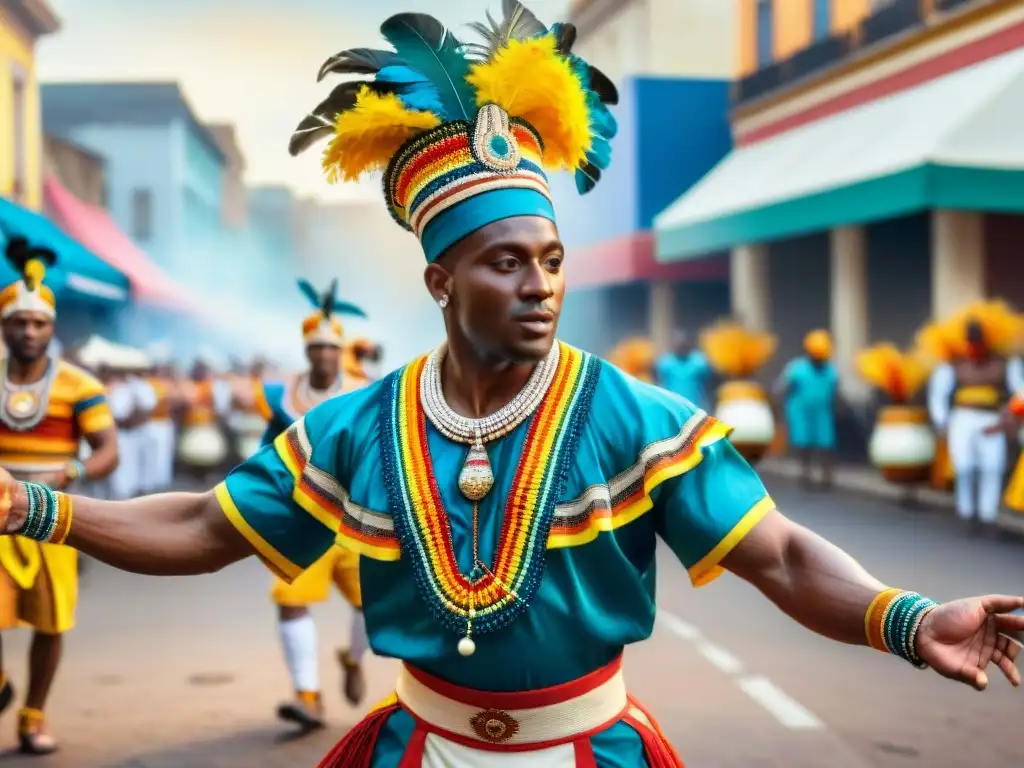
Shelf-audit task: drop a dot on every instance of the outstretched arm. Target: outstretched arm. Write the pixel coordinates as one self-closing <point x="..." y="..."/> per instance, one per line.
<point x="168" y="534"/>
<point x="717" y="516"/>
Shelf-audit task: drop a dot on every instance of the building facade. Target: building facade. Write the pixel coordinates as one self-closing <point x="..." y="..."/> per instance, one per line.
<point x="22" y="23"/>
<point x="673" y="64"/>
<point x="82" y="172"/>
<point x="234" y="196"/>
<point x="164" y="168"/>
<point x="878" y="173"/>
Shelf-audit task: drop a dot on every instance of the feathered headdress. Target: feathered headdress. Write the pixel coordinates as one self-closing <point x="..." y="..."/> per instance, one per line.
<point x="28" y="294"/>
<point x="465" y="132"/>
<point x="323" y="326"/>
<point x="900" y="375"/>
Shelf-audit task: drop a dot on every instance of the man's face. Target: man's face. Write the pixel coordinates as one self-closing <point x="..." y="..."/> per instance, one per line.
<point x="682" y="343"/>
<point x="27" y="335"/>
<point x="505" y="286"/>
<point x="324" y="359"/>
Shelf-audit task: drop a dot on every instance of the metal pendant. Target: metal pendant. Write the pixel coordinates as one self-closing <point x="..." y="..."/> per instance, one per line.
<point x="22" y="404"/>
<point x="476" y="478"/>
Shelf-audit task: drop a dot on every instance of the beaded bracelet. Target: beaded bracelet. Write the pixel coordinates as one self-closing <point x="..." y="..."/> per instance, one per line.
<point x="892" y="621"/>
<point x="48" y="518"/>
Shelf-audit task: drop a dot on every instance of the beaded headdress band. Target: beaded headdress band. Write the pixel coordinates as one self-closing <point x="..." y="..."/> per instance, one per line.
<point x="323" y="326"/>
<point x="464" y="132"/>
<point x="27" y="293"/>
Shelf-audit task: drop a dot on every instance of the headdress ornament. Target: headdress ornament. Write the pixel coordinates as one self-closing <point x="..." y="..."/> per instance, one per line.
<point x="323" y="326"/>
<point x="27" y="293"/>
<point x="465" y="132"/>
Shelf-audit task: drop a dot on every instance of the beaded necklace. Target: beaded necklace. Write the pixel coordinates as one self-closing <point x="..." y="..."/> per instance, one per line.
<point x="490" y="597"/>
<point x="24" y="405"/>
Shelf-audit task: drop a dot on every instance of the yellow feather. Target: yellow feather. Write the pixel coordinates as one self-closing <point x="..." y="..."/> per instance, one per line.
<point x="941" y="342"/>
<point x="368" y="135"/>
<point x="735" y="351"/>
<point x="530" y="80"/>
<point x="1003" y="328"/>
<point x="635" y="356"/>
<point x="34" y="273"/>
<point x="898" y="374"/>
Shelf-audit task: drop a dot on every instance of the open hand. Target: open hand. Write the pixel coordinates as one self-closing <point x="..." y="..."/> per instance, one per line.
<point x="959" y="639"/>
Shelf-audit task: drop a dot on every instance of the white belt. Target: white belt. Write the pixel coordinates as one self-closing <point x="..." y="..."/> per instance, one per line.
<point x="471" y="718"/>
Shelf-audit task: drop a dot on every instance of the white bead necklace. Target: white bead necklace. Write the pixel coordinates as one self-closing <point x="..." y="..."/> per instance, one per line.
<point x="463" y="429"/>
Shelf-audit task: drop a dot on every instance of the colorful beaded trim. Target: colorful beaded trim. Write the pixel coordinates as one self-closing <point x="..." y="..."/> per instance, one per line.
<point x="49" y="514"/>
<point x="892" y="620"/>
<point x="438" y="169"/>
<point x="496" y="598"/>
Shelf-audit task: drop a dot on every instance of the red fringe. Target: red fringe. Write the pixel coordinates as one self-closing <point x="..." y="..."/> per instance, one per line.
<point x="355" y="750"/>
<point x="660" y="753"/>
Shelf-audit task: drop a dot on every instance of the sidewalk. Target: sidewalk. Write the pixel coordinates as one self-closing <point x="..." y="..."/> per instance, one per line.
<point x="868" y="481"/>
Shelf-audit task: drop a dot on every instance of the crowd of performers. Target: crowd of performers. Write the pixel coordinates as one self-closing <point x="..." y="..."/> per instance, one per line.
<point x="502" y="495"/>
<point x="119" y="427"/>
<point x="940" y="405"/>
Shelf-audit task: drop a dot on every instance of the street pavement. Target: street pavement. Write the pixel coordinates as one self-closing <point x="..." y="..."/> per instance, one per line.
<point x="186" y="673"/>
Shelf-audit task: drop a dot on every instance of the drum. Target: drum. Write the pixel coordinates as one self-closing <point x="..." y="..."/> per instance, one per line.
<point x="248" y="429"/>
<point x="903" y="445"/>
<point x="202" y="446"/>
<point x="744" y="406"/>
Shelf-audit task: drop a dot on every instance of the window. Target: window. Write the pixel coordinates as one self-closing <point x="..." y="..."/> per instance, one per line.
<point x="822" y="19"/>
<point x="142" y="214"/>
<point x="765" y="33"/>
<point x="19" y="182"/>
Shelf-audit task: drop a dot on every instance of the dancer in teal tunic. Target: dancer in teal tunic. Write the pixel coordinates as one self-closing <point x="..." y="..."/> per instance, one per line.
<point x="685" y="371"/>
<point x="281" y="403"/>
<point x="506" y="492"/>
<point x="808" y="385"/>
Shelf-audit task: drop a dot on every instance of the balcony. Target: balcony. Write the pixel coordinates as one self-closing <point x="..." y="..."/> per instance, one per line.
<point x="885" y="25"/>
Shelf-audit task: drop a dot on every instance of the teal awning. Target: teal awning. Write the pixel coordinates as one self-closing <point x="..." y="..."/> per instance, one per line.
<point x="954" y="142"/>
<point x="79" y="274"/>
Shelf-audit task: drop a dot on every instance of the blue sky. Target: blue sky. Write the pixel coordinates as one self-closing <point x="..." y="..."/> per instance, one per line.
<point x="249" y="62"/>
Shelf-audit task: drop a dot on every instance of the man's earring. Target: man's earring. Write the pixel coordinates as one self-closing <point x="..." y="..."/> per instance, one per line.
<point x="443" y="301"/>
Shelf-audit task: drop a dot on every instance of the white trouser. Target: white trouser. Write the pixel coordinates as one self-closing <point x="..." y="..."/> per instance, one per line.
<point x="977" y="457"/>
<point x="124" y="482"/>
<point x="157" y="463"/>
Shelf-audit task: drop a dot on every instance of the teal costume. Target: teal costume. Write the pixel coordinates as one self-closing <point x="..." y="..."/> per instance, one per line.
<point x="281" y="417"/>
<point x="662" y="470"/>
<point x="686" y="375"/>
<point x="810" y="404"/>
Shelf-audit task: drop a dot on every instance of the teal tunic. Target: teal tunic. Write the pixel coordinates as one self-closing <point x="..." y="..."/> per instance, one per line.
<point x="686" y="375"/>
<point x="810" y="404"/>
<point x="642" y="464"/>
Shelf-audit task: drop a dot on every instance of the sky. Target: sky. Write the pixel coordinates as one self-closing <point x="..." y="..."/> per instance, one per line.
<point x="248" y="62"/>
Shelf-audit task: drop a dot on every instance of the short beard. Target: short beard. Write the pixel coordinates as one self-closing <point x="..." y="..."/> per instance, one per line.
<point x="19" y="356"/>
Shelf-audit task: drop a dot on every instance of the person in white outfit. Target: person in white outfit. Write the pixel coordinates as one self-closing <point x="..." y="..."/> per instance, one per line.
<point x="160" y="432"/>
<point x="965" y="400"/>
<point x="132" y="400"/>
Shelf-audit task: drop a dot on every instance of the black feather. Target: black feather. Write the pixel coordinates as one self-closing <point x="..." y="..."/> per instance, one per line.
<point x="319" y="123"/>
<point x="602" y="85"/>
<point x="358" y="61"/>
<point x="566" y="38"/>
<point x="18" y="252"/>
<point x="587" y="177"/>
<point x="517" y="23"/>
<point x="327" y="303"/>
<point x="525" y="23"/>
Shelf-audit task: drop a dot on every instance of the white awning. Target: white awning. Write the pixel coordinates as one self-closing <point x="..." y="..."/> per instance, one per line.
<point x="954" y="142"/>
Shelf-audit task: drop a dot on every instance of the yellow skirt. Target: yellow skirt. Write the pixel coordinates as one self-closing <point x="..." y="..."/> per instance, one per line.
<point x="942" y="468"/>
<point x="1013" y="498"/>
<point x="38" y="585"/>
<point x="339" y="565"/>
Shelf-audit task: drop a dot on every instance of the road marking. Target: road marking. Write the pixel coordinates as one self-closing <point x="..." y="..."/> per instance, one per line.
<point x="784" y="708"/>
<point x="789" y="712"/>
<point x="678" y="627"/>
<point x="720" y="657"/>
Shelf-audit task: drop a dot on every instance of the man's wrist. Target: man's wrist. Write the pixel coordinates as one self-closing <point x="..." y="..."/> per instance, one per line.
<point x="74" y="470"/>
